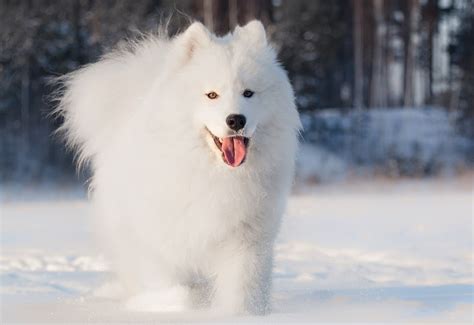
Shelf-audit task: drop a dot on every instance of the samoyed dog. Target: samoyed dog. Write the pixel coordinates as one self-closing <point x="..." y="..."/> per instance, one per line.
<point x="192" y="142"/>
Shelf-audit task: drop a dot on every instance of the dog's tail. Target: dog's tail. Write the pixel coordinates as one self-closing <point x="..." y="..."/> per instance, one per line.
<point x="82" y="103"/>
<point x="94" y="100"/>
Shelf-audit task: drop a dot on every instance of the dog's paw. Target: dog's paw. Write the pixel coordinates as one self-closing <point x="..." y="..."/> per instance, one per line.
<point x="173" y="299"/>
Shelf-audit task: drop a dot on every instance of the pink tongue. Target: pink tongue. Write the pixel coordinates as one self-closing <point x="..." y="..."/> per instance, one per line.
<point x="234" y="150"/>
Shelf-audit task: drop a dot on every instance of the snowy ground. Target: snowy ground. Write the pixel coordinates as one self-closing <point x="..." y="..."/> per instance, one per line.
<point x="360" y="252"/>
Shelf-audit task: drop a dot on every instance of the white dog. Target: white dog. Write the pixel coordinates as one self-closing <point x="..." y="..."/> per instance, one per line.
<point x="192" y="144"/>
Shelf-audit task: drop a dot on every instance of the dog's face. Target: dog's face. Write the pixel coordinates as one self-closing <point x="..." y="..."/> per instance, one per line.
<point x="234" y="87"/>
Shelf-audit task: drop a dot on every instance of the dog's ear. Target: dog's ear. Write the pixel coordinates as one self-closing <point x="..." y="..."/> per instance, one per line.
<point x="253" y="32"/>
<point x="194" y="37"/>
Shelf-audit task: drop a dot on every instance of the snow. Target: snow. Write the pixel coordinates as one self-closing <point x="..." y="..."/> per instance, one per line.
<point x="395" y="141"/>
<point x="380" y="250"/>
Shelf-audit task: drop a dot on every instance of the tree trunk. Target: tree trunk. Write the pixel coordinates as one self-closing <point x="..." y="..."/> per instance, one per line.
<point x="233" y="13"/>
<point x="388" y="55"/>
<point x="208" y="13"/>
<point x="255" y="9"/>
<point x="410" y="53"/>
<point x="358" y="59"/>
<point x="76" y="14"/>
<point x="432" y="17"/>
<point x="378" y="92"/>
<point x="220" y="16"/>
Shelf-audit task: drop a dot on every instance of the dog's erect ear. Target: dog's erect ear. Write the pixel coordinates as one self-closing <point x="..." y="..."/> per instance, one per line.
<point x="253" y="32"/>
<point x="194" y="37"/>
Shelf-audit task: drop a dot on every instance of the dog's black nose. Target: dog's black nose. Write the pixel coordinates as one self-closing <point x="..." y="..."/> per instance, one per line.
<point x="236" y="121"/>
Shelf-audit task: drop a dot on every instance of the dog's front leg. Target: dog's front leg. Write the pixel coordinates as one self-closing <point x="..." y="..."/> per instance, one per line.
<point x="243" y="279"/>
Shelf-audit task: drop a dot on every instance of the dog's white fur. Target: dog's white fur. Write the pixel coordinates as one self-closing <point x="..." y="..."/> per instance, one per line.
<point x="170" y="210"/>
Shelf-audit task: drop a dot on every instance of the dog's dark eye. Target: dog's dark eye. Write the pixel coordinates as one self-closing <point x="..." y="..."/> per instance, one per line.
<point x="212" y="95"/>
<point x="248" y="93"/>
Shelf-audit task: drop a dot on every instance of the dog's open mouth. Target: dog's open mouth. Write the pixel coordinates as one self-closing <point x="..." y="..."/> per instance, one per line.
<point x="233" y="149"/>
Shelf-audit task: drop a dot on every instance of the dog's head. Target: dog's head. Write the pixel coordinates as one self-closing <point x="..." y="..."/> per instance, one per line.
<point x="234" y="87"/>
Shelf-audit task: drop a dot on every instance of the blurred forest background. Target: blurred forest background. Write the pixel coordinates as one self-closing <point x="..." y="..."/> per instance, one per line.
<point x="385" y="86"/>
